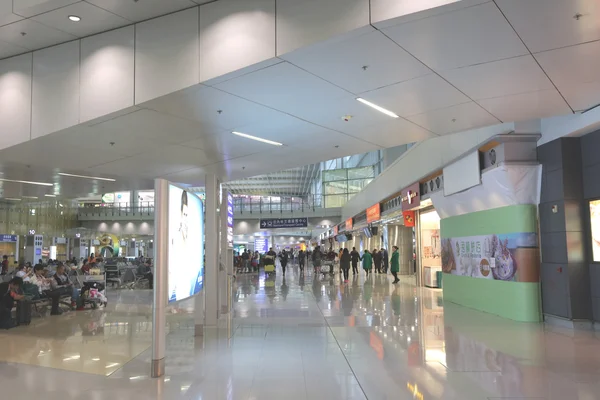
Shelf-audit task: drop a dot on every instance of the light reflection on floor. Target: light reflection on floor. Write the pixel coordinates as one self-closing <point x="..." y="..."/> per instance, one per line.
<point x="304" y="338"/>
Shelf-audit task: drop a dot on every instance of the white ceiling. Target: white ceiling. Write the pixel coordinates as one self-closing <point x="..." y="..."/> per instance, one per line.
<point x="494" y="61"/>
<point x="45" y="22"/>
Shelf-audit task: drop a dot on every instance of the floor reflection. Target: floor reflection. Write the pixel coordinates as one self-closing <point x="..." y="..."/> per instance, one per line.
<point x="303" y="337"/>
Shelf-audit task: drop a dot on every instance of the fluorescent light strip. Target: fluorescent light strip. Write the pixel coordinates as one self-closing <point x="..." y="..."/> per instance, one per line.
<point x="50" y="195"/>
<point x="27" y="182"/>
<point x="29" y="197"/>
<point x="87" y="177"/>
<point x="378" y="108"/>
<point x="11" y="199"/>
<point x="257" y="139"/>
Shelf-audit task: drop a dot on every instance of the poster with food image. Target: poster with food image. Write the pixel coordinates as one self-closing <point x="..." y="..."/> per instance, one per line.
<point x="507" y="257"/>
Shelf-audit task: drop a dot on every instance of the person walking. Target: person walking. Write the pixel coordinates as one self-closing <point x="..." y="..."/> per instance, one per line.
<point x="301" y="260"/>
<point x="395" y="264"/>
<point x="283" y="259"/>
<point x="355" y="257"/>
<point x="377" y="260"/>
<point x="316" y="259"/>
<point x="367" y="262"/>
<point x="345" y="264"/>
<point x="386" y="260"/>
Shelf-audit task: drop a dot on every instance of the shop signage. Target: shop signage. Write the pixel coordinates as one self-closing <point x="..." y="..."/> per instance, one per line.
<point x="373" y="213"/>
<point x="335" y="230"/>
<point x="273" y="223"/>
<point x="230" y="219"/>
<point x="409" y="218"/>
<point x="8" y="238"/>
<point x="507" y="257"/>
<point x="411" y="197"/>
<point x="349" y="224"/>
<point x="261" y="244"/>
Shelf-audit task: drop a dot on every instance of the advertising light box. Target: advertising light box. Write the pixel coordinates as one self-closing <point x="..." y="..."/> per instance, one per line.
<point x="186" y="244"/>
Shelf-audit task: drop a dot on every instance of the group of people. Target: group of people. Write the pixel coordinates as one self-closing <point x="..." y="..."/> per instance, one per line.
<point x="379" y="258"/>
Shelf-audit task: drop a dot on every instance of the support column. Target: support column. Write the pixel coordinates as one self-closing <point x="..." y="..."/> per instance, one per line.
<point x="159" y="319"/>
<point x="224" y="270"/>
<point x="211" y="271"/>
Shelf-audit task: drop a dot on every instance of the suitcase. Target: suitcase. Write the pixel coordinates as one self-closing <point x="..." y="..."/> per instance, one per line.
<point x="269" y="268"/>
<point x="23" y="312"/>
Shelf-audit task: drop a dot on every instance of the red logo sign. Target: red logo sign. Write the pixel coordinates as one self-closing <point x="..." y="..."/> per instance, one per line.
<point x="409" y="218"/>
<point x="349" y="224"/>
<point x="373" y="213"/>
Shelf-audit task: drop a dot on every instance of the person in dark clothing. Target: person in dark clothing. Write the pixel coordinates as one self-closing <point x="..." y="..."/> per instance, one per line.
<point x="377" y="260"/>
<point x="245" y="261"/>
<point x="4" y="265"/>
<point x="345" y="264"/>
<point x="7" y="302"/>
<point x="355" y="257"/>
<point x="316" y="258"/>
<point x="301" y="260"/>
<point x="386" y="260"/>
<point x="283" y="259"/>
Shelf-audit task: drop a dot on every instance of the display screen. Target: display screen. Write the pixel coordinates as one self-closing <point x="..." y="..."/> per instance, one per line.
<point x="368" y="232"/>
<point x="186" y="244"/>
<point x="595" y="223"/>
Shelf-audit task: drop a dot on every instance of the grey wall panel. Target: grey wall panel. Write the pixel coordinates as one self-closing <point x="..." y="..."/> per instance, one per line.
<point x="555" y="294"/>
<point x="589" y="149"/>
<point x="552" y="186"/>
<point x="596" y="308"/>
<point x="554" y="247"/>
<point x="591" y="183"/>
<point x="574" y="214"/>
<point x="595" y="280"/>
<point x="549" y="221"/>
<point x="579" y="291"/>
<point x="550" y="155"/>
<point x="575" y="247"/>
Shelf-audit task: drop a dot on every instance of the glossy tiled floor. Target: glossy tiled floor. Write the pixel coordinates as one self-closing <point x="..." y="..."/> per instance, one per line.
<point x="302" y="338"/>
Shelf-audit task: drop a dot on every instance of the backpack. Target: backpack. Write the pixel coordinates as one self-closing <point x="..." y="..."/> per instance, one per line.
<point x="31" y="291"/>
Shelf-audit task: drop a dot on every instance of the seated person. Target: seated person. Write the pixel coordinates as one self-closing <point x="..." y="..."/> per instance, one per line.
<point x="45" y="287"/>
<point x="64" y="284"/>
<point x="7" y="302"/>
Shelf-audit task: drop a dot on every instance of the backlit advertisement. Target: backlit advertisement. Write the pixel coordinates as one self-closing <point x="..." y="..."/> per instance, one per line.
<point x="595" y="224"/>
<point x="230" y="219"/>
<point x="186" y="244"/>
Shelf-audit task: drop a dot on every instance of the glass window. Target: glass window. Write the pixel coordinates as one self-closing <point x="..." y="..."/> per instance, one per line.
<point x="357" y="185"/>
<point x="337" y="200"/>
<point x="362" y="172"/>
<point x="335" y="187"/>
<point x="335" y="175"/>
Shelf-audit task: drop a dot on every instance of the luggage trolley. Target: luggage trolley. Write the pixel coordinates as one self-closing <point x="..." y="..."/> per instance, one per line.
<point x="93" y="290"/>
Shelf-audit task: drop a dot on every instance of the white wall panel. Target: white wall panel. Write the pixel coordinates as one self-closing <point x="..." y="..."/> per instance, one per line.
<point x="419" y="161"/>
<point x="301" y="23"/>
<point x="15" y="100"/>
<point x="166" y="55"/>
<point x="235" y="34"/>
<point x="385" y="13"/>
<point x="107" y="71"/>
<point x="462" y="174"/>
<point x="55" y="89"/>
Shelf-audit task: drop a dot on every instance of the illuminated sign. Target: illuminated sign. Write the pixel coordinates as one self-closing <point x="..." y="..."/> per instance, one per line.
<point x="230" y="219"/>
<point x="411" y="197"/>
<point x="373" y="213"/>
<point x="349" y="224"/>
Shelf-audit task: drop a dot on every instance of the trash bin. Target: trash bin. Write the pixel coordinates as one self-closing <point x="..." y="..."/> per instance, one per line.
<point x="438" y="277"/>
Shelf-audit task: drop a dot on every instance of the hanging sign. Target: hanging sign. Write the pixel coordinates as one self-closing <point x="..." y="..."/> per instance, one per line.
<point x="409" y="218"/>
<point x="349" y="224"/>
<point x="373" y="213"/>
<point x="273" y="223"/>
<point x="411" y="197"/>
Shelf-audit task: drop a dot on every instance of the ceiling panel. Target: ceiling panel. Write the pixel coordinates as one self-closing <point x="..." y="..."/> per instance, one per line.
<point x="203" y="103"/>
<point x="142" y="9"/>
<point x="551" y="24"/>
<point x="36" y="35"/>
<point x="527" y="106"/>
<point x="457" y="118"/>
<point x="8" y="50"/>
<point x="396" y="132"/>
<point x="342" y="63"/>
<point x="93" y="19"/>
<point x="284" y="87"/>
<point x="575" y="72"/>
<point x="29" y="8"/>
<point x="417" y="96"/>
<point x="456" y="39"/>
<point x="499" y="78"/>
<point x="6" y="13"/>
<point x="229" y="144"/>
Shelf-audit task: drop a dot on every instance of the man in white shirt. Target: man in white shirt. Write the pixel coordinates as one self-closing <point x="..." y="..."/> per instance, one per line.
<point x="45" y="287"/>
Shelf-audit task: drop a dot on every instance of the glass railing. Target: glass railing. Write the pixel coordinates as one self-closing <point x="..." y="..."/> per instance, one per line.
<point x="116" y="209"/>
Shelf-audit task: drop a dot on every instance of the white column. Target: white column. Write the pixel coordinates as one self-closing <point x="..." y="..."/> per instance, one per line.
<point x="211" y="271"/>
<point x="161" y="237"/>
<point x="223" y="251"/>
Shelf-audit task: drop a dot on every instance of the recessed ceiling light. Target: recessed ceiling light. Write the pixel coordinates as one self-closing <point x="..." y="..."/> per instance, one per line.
<point x="74" y="18"/>
<point x="27" y="182"/>
<point x="87" y="177"/>
<point x="12" y="199"/>
<point x="257" y="139"/>
<point x="30" y="197"/>
<point x="378" y="108"/>
<point x="50" y="195"/>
